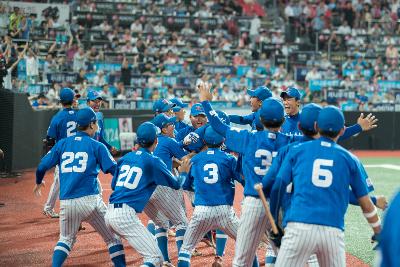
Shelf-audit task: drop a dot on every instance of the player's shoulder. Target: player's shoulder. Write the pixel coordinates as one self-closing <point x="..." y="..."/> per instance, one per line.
<point x="99" y="115"/>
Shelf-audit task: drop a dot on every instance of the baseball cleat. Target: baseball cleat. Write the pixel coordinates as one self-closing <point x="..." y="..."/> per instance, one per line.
<point x="51" y="214"/>
<point x="217" y="262"/>
<point x="167" y="264"/>
<point x="196" y="253"/>
<point x="81" y="228"/>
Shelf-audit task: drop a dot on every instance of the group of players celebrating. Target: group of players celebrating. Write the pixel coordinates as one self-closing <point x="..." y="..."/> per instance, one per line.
<point x="307" y="177"/>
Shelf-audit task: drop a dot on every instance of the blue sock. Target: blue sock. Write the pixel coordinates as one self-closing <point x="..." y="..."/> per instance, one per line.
<point x="184" y="259"/>
<point x="148" y="264"/>
<point x="179" y="238"/>
<point x="151" y="227"/>
<point x="220" y="241"/>
<point x="60" y="253"/>
<point x="255" y="262"/>
<point x="117" y="255"/>
<point x="162" y="240"/>
<point x="270" y="256"/>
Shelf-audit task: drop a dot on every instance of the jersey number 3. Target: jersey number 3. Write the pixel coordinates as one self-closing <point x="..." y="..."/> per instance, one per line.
<point x="125" y="176"/>
<point x="212" y="169"/>
<point x="322" y="177"/>
<point x="68" y="158"/>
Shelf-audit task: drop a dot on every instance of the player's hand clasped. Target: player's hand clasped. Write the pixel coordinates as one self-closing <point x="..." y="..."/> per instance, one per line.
<point x="185" y="166"/>
<point x="367" y="123"/>
<point x="191" y="138"/>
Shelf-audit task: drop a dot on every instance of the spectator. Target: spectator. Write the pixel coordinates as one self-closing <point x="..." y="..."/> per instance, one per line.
<point x="391" y="52"/>
<point x="252" y="72"/>
<point x="136" y="26"/>
<point x="349" y="13"/>
<point x="126" y="72"/>
<point x="238" y="59"/>
<point x="40" y="102"/>
<point x="313" y="74"/>
<point x="228" y="95"/>
<point x="255" y="25"/>
<point x="99" y="79"/>
<point x="186" y="30"/>
<point x="159" y="28"/>
<point x="50" y="67"/>
<point x="81" y="76"/>
<point x="329" y="74"/>
<point x="344" y="28"/>
<point x="280" y="73"/>
<point x="220" y="59"/>
<point x="32" y="67"/>
<point x="80" y="60"/>
<point x="7" y="80"/>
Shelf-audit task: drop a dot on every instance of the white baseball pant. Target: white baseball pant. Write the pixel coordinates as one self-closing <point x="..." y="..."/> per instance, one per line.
<point x="252" y="226"/>
<point x="302" y="240"/>
<point x="122" y="219"/>
<point x="54" y="191"/>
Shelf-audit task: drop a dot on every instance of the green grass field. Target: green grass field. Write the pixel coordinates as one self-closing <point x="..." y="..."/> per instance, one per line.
<point x="357" y="231"/>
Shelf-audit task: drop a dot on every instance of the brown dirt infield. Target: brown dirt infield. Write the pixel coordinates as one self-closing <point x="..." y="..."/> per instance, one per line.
<point x="27" y="237"/>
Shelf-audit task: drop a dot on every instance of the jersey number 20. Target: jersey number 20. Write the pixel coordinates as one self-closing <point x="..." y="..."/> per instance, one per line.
<point x="125" y="176"/>
<point x="68" y="158"/>
<point x="318" y="172"/>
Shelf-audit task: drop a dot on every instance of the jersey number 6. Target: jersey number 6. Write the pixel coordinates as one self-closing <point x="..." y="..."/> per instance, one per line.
<point x="318" y="172"/>
<point x="125" y="176"/>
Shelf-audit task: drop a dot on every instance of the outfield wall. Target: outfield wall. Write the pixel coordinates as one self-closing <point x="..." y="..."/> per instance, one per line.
<point x="22" y="129"/>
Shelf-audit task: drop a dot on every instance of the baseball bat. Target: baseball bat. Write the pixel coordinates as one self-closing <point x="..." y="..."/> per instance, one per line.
<point x="258" y="188"/>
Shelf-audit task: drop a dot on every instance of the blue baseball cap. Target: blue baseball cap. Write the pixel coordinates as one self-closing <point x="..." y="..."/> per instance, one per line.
<point x="93" y="95"/>
<point x="330" y="119"/>
<point x="162" y="120"/>
<point x="223" y="116"/>
<point x="272" y="110"/>
<point x="309" y="115"/>
<point x="261" y="92"/>
<point x="162" y="105"/>
<point x="85" y="116"/>
<point x="178" y="104"/>
<point x="291" y="92"/>
<point x="197" y="109"/>
<point x="146" y="133"/>
<point x="211" y="137"/>
<point x="66" y="95"/>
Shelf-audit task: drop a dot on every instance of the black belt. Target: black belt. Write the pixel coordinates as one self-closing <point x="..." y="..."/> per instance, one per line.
<point x="118" y="205"/>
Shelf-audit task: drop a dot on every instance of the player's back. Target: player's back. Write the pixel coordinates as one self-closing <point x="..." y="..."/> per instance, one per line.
<point x="167" y="148"/>
<point x="63" y="124"/>
<point x="213" y="173"/>
<point x="81" y="158"/>
<point x="322" y="172"/>
<point x="134" y="180"/>
<point x="257" y="149"/>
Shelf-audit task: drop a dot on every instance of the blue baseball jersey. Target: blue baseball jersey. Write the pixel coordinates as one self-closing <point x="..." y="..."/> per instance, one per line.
<point x="167" y="148"/>
<point x="137" y="176"/>
<point x="290" y="126"/>
<point x="99" y="135"/>
<point x="63" y="124"/>
<point x="197" y="146"/>
<point x="80" y="159"/>
<point x="183" y="132"/>
<point x="321" y="172"/>
<point x="213" y="171"/>
<point x="179" y="125"/>
<point x="389" y="237"/>
<point x="249" y="119"/>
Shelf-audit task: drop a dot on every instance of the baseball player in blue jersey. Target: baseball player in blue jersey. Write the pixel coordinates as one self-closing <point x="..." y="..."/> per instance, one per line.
<point x="257" y="97"/>
<point x="389" y="247"/>
<point x="179" y="111"/>
<point x="166" y="204"/>
<point x="163" y="106"/>
<point x="197" y="118"/>
<point x="291" y="100"/>
<point x="315" y="218"/>
<point x="62" y="125"/>
<point x="94" y="100"/>
<point x="138" y="175"/>
<point x="257" y="149"/>
<point x="307" y="121"/>
<point x="212" y="171"/>
<point x="80" y="158"/>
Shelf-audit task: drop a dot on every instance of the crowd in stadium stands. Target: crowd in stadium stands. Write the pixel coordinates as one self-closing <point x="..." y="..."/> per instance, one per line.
<point x="340" y="52"/>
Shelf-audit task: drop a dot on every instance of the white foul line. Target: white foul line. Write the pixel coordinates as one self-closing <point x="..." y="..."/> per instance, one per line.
<point x="386" y="166"/>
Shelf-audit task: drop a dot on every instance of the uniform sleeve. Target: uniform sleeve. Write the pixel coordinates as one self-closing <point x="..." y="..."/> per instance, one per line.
<point x="101" y="135"/>
<point x="182" y="134"/>
<point x="163" y="176"/>
<point x="269" y="179"/>
<point x="214" y="120"/>
<point x="350" y="131"/>
<point x="237" y="140"/>
<point x="176" y="150"/>
<point x="242" y="120"/>
<point x="50" y="160"/>
<point x="188" y="184"/>
<point x="357" y="182"/>
<point x="106" y="161"/>
<point x="235" y="173"/>
<point x="52" y="130"/>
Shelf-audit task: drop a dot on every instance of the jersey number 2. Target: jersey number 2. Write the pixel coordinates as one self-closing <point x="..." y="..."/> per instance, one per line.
<point x="69" y="157"/>
<point x="325" y="174"/>
<point x="212" y="169"/>
<point x="71" y="126"/>
<point x="125" y="176"/>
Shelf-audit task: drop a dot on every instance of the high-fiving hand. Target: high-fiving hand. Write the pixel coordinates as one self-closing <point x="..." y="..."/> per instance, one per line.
<point x="205" y="91"/>
<point x="367" y="123"/>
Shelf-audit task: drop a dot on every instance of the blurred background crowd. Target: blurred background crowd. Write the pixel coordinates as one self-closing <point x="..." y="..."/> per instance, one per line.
<point x="337" y="52"/>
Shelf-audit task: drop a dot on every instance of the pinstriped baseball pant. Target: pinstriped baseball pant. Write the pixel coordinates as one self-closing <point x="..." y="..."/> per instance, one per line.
<point x="88" y="208"/>
<point x="54" y="191"/>
<point x="207" y="218"/>
<point x="166" y="205"/>
<point x="126" y="224"/>
<point x="302" y="240"/>
<point x="252" y="226"/>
